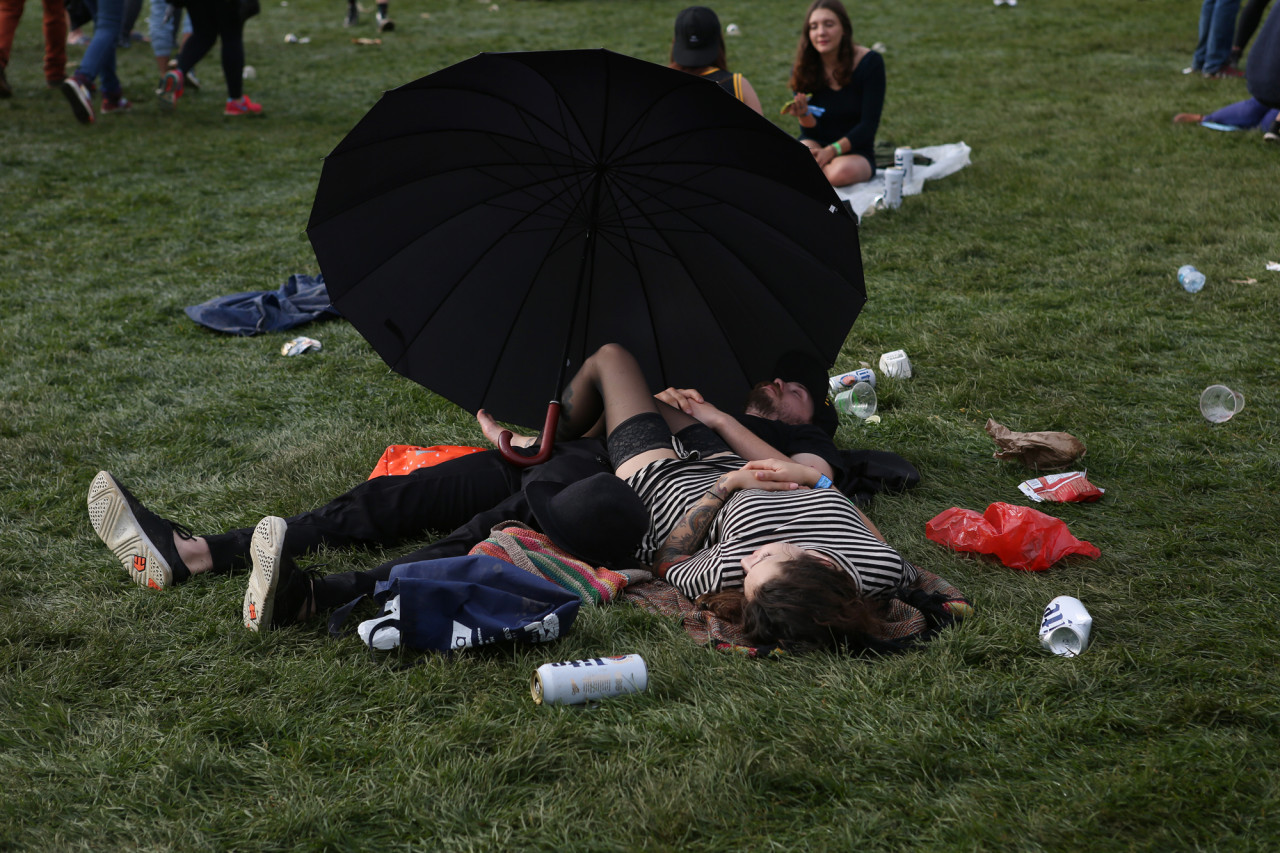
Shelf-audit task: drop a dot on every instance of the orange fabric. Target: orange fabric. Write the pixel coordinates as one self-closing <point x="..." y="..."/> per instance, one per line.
<point x="406" y="458"/>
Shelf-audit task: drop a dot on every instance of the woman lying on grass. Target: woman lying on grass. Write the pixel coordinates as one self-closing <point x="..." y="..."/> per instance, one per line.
<point x="792" y="558"/>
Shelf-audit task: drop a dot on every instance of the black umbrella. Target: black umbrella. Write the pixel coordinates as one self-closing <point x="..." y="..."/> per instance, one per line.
<point x="489" y="226"/>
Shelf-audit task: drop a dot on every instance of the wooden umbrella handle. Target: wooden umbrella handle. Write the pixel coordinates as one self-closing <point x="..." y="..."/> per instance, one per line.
<point x="544" y="452"/>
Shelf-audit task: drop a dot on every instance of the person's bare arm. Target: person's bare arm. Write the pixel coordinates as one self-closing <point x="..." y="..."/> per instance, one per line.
<point x="741" y="440"/>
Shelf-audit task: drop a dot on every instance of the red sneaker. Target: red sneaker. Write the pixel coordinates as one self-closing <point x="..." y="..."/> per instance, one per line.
<point x="117" y="104"/>
<point x="242" y="106"/>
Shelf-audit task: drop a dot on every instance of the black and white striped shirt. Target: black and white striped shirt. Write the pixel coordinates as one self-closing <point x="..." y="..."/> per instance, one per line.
<point x="820" y="519"/>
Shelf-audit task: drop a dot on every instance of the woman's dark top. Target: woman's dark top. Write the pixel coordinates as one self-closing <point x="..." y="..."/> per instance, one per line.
<point x="853" y="111"/>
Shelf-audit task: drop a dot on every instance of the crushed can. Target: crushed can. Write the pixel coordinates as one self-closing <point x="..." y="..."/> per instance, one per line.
<point x="575" y="682"/>
<point x="1064" y="627"/>
<point x="299" y="345"/>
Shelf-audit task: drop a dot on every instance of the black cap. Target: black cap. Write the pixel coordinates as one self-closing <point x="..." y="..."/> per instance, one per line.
<point x="600" y="519"/>
<point x="697" y="41"/>
<point x="810" y="372"/>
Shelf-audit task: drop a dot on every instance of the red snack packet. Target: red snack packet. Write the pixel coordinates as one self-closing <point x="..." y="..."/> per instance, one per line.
<point x="1021" y="537"/>
<point x="1071" y="486"/>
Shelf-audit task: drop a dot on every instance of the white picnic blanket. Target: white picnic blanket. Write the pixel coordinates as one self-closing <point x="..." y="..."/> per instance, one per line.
<point x="944" y="160"/>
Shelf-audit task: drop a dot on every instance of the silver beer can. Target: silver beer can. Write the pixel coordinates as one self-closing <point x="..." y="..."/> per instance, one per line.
<point x="574" y="682"/>
<point x="844" y="381"/>
<point x="893" y="187"/>
<point x="904" y="159"/>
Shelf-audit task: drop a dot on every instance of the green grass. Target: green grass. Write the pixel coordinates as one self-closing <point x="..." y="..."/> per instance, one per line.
<point x="1035" y="287"/>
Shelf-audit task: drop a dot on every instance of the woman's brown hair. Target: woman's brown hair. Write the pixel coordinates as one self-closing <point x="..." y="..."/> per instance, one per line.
<point x="807" y="74"/>
<point x="811" y="605"/>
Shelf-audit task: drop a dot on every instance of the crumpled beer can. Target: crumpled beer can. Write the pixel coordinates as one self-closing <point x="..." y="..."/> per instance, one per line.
<point x="1064" y="628"/>
<point x="298" y="346"/>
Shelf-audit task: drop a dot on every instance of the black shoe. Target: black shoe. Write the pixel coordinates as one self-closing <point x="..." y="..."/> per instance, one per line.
<point x="6" y="91"/>
<point x="80" y="96"/>
<point x="385" y="24"/>
<point x="1273" y="135"/>
<point x="279" y="593"/>
<point x="353" y="16"/>
<point x="140" y="539"/>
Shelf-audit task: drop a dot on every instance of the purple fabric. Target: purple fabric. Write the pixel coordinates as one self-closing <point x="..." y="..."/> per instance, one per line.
<point x="1244" y="114"/>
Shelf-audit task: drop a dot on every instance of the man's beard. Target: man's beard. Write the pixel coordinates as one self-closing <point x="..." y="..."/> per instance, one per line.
<point x="760" y="403"/>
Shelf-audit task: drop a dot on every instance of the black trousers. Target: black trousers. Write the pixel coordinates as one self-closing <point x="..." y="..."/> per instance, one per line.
<point x="467" y="495"/>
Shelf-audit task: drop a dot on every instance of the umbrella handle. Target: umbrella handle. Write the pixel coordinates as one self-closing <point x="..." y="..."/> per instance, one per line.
<point x="548" y="437"/>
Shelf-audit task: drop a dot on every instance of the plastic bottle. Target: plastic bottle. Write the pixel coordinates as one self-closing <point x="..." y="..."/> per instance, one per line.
<point x="1190" y="278"/>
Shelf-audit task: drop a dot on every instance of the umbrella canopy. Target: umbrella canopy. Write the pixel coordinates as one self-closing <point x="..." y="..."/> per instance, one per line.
<point x="489" y="226"/>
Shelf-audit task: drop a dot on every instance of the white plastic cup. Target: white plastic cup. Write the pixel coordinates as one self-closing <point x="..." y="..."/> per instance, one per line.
<point x="896" y="364"/>
<point x="1191" y="279"/>
<point x="860" y="400"/>
<point x="1219" y="404"/>
<point x="1065" y="626"/>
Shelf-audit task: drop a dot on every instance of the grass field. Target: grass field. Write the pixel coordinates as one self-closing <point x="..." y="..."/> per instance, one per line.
<point x="1035" y="287"/>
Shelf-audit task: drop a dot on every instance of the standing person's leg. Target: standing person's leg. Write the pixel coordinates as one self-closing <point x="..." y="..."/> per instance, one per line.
<point x="10" y="15"/>
<point x="1202" y="36"/>
<point x="1246" y="26"/>
<point x="99" y="60"/>
<point x="55" y="42"/>
<point x="128" y="19"/>
<point x="231" y="33"/>
<point x="1222" y="28"/>
<point x="162" y="27"/>
<point x="204" y="32"/>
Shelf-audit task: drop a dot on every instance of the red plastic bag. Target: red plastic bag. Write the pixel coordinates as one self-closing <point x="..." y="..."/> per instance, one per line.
<point x="1022" y="537"/>
<point x="404" y="458"/>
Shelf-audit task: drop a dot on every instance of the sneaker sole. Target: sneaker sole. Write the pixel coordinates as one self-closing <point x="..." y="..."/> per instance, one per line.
<point x="168" y="94"/>
<point x="266" y="549"/>
<point x="82" y="109"/>
<point x="119" y="530"/>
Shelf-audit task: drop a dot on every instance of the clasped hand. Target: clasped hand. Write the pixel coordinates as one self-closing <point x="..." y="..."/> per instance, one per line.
<point x="774" y="475"/>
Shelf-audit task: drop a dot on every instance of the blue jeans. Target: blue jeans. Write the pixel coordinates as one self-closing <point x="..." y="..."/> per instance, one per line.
<point x="164" y="34"/>
<point x="1217" y="30"/>
<point x="100" y="56"/>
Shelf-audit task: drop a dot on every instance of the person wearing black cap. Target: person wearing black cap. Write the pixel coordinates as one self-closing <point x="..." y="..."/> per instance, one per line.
<point x="698" y="48"/>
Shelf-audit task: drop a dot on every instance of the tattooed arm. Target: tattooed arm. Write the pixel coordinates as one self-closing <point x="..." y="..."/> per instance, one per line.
<point x="686" y="537"/>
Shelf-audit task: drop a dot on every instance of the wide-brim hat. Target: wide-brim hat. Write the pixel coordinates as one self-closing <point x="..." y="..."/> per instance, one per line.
<point x="697" y="42"/>
<point x="812" y="374"/>
<point x="600" y="519"/>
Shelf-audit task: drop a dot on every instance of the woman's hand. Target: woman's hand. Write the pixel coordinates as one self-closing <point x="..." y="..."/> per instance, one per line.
<point x="824" y="155"/>
<point x="775" y="475"/>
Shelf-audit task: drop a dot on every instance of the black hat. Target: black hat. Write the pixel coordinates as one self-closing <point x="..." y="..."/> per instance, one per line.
<point x="697" y="41"/>
<point x="600" y="519"/>
<point x="810" y="372"/>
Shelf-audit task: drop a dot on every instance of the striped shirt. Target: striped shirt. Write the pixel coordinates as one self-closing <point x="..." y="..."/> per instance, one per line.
<point x="820" y="519"/>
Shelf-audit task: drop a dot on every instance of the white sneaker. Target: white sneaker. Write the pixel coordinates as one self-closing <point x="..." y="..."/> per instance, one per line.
<point x="266" y="548"/>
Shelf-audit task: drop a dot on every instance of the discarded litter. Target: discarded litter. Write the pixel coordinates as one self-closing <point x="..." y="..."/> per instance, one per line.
<point x="575" y="682"/>
<point x="299" y="345"/>
<point x="366" y="41"/>
<point x="1190" y="278"/>
<point x="860" y="400"/>
<point x="1019" y="536"/>
<point x="1071" y="486"/>
<point x="841" y="381"/>
<point x="732" y="30"/>
<point x="249" y="72"/>
<point x="1064" y="627"/>
<point x="1036" y="450"/>
<point x="896" y="364"/>
<point x="1219" y="404"/>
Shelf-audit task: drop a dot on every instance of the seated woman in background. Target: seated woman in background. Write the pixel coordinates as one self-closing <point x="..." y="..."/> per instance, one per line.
<point x="698" y="48"/>
<point x="845" y="80"/>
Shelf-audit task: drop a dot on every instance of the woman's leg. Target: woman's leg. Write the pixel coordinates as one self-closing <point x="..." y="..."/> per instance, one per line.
<point x="231" y="32"/>
<point x="55" y="41"/>
<point x="204" y="32"/>
<point x="99" y="58"/>
<point x="848" y="169"/>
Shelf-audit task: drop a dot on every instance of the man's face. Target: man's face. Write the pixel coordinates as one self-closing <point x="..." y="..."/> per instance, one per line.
<point x="789" y="402"/>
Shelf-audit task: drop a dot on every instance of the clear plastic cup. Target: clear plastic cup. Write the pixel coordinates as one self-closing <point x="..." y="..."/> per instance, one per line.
<point x="860" y="400"/>
<point x="1219" y="404"/>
